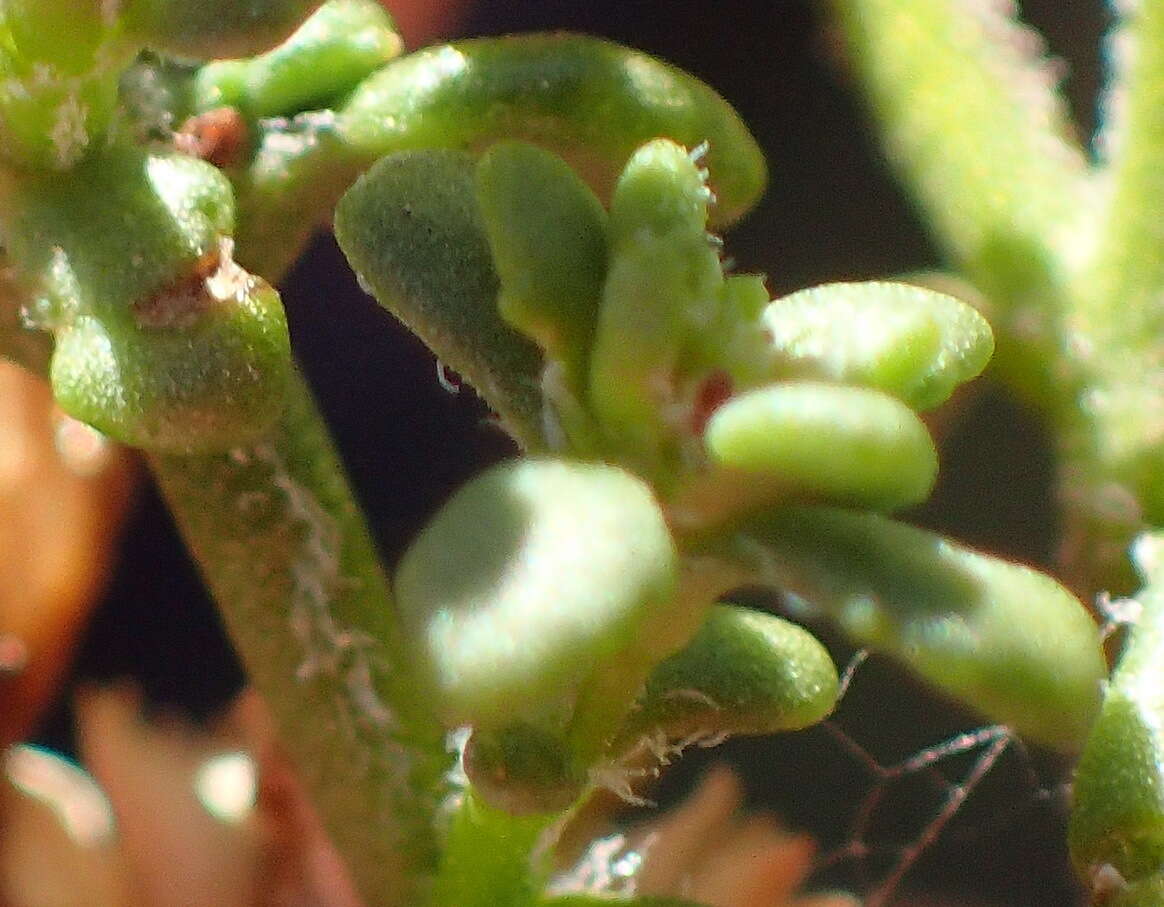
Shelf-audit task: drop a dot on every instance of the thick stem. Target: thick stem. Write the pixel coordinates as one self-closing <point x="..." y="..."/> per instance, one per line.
<point x="286" y="553"/>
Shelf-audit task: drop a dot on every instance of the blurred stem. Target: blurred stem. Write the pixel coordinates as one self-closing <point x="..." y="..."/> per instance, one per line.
<point x="1117" y="819"/>
<point x="492" y="857"/>
<point x="284" y="548"/>
<point x="1115" y="435"/>
<point x="1073" y="298"/>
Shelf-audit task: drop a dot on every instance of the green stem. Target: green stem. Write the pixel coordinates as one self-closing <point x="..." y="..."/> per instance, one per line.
<point x="285" y="551"/>
<point x="492" y="857"/>
<point x="1118" y="816"/>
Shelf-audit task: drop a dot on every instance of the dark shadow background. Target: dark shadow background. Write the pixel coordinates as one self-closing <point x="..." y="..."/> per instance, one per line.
<point x="832" y="212"/>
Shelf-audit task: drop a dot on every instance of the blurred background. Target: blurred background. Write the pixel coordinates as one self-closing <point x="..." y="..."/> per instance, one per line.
<point x="832" y="212"/>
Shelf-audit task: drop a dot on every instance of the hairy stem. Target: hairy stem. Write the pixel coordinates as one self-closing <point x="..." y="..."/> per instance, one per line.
<point x="285" y="551"/>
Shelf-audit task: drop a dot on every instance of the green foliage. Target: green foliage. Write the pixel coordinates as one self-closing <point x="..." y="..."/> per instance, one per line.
<point x="915" y="344"/>
<point x="848" y="444"/>
<point x="216" y="29"/>
<point x="511" y="606"/>
<point x="162" y="341"/>
<point x="547" y="235"/>
<point x="1118" y="820"/>
<point x="321" y="62"/>
<point x="412" y="231"/>
<point x="743" y="672"/>
<point x="537" y="209"/>
<point x="1006" y="638"/>
<point x="59" y="61"/>
<point x="578" y="96"/>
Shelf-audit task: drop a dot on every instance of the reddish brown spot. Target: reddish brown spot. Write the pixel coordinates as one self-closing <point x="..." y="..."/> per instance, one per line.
<point x="218" y="136"/>
<point x="181" y="303"/>
<point x="712" y="393"/>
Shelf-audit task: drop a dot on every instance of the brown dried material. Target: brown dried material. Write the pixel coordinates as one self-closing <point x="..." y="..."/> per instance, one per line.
<point x="167" y="827"/>
<point x="63" y="490"/>
<point x="180" y="304"/>
<point x="219" y="137"/>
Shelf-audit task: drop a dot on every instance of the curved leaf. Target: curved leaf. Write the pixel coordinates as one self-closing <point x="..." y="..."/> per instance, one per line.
<point x="591" y="101"/>
<point x="909" y="341"/>
<point x="547" y="232"/>
<point x="413" y="233"/>
<point x="744" y="672"/>
<point x="1006" y="639"/>
<point x="844" y="444"/>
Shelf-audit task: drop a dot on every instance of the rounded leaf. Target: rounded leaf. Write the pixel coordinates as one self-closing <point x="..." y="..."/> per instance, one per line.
<point x="413" y="232"/>
<point x="660" y="192"/>
<point x="846" y="444"/>
<point x="526" y="579"/>
<point x="911" y="342"/>
<point x="591" y="101"/>
<point x="744" y="672"/>
<point x="196" y="387"/>
<point x="522" y="770"/>
<point x="215" y="29"/>
<point x="1005" y="639"/>
<point x="547" y="233"/>
<point x="162" y="341"/>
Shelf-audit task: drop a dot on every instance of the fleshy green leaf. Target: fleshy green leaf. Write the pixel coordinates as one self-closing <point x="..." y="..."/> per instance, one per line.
<point x="911" y="342"/>
<point x="591" y="101"/>
<point x="527" y="579"/>
<point x="215" y="29"/>
<point x="661" y="289"/>
<point x="660" y="193"/>
<point x="339" y="45"/>
<point x="1005" y="639"/>
<point x="523" y="769"/>
<point x="547" y="232"/>
<point x="744" y="672"/>
<point x="163" y="342"/>
<point x="846" y="444"/>
<point x="1118" y="814"/>
<point x="288" y="190"/>
<point x="413" y="233"/>
<point x="59" y="63"/>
